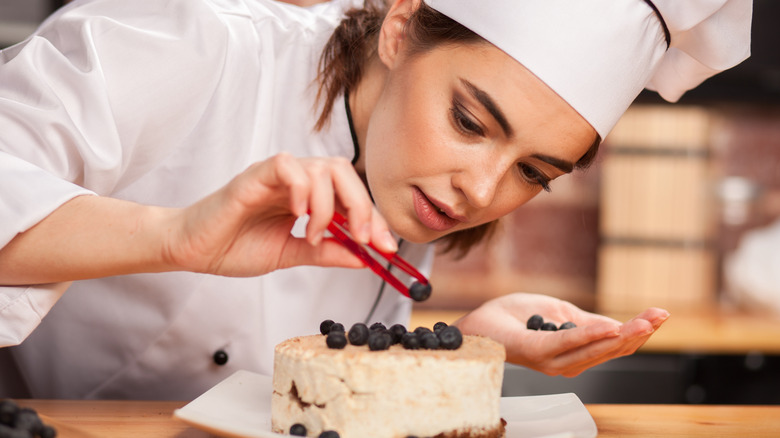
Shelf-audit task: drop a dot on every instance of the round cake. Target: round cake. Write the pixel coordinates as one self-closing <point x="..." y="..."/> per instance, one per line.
<point x="392" y="393"/>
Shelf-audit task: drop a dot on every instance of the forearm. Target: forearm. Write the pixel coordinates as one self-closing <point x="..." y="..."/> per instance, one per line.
<point x="88" y="237"/>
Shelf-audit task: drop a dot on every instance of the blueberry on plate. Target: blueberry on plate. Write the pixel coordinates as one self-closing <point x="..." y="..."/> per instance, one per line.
<point x="8" y="410"/>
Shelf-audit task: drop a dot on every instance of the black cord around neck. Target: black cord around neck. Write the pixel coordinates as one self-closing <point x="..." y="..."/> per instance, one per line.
<point x="351" y="128"/>
<point x="381" y="290"/>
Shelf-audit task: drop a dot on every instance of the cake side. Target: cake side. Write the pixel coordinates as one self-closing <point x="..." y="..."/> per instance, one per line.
<point x="392" y="393"/>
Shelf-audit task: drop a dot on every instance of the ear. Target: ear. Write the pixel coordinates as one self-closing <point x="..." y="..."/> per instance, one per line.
<point x="391" y="36"/>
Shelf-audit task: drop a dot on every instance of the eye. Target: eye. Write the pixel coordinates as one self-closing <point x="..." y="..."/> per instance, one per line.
<point x="463" y="122"/>
<point x="534" y="176"/>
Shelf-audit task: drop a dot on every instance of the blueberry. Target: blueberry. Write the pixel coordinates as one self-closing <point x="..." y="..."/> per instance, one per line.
<point x="429" y="340"/>
<point x="325" y="326"/>
<point x="419" y="331"/>
<point x="336" y="340"/>
<point x="410" y="341"/>
<point x="535" y="322"/>
<point x="567" y="325"/>
<point x="397" y="331"/>
<point x="549" y="327"/>
<point x="47" y="432"/>
<point x="377" y="326"/>
<point x="419" y="291"/>
<point x="358" y="334"/>
<point x="298" y="429"/>
<point x="337" y="327"/>
<point x="439" y="326"/>
<point x="450" y="338"/>
<point x="10" y="432"/>
<point x="329" y="434"/>
<point x="27" y="419"/>
<point x="379" y="340"/>
<point x="8" y="410"/>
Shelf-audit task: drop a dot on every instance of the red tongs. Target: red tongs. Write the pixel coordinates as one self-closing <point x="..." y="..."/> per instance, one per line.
<point x="420" y="290"/>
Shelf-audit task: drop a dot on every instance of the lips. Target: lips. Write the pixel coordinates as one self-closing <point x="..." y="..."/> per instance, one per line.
<point x="429" y="214"/>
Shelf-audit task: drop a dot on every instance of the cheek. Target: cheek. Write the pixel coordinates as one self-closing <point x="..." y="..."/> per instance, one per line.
<point x="510" y="196"/>
<point x="401" y="140"/>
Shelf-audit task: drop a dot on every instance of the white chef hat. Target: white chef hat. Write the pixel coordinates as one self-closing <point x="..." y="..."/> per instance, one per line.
<point x="598" y="55"/>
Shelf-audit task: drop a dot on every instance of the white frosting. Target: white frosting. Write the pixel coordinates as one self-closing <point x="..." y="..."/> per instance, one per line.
<point x="395" y="393"/>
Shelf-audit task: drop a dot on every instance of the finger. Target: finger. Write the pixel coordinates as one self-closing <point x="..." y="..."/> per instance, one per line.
<point x="578" y="337"/>
<point x="321" y="200"/>
<point x="655" y="316"/>
<point x="380" y="234"/>
<point x="280" y="176"/>
<point x="291" y="174"/>
<point x="624" y="349"/>
<point x="329" y="253"/>
<point x="632" y="335"/>
<point x="353" y="196"/>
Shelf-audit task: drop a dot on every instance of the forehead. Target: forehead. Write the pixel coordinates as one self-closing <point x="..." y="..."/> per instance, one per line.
<point x="526" y="100"/>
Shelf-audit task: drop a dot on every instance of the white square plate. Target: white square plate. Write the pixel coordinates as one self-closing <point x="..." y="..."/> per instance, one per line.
<point x="240" y="406"/>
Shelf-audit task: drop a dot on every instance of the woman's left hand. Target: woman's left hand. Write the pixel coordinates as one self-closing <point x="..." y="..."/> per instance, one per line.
<point x="595" y="340"/>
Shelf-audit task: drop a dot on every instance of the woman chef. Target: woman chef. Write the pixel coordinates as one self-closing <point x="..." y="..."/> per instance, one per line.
<point x="155" y="156"/>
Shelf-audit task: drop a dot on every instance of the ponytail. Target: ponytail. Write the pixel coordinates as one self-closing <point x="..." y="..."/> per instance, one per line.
<point x="347" y="52"/>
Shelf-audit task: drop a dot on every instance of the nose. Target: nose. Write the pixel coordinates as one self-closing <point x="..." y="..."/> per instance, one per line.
<point x="479" y="181"/>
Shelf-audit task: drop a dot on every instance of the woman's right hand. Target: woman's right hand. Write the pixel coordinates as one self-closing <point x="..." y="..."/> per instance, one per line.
<point x="243" y="229"/>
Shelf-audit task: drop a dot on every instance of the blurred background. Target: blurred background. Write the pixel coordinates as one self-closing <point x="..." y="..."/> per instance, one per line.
<point x="681" y="210"/>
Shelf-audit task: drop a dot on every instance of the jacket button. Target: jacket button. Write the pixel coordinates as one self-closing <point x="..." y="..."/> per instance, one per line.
<point x="220" y="357"/>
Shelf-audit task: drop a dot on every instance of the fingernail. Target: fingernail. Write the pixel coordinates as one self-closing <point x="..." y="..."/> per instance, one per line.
<point x="316" y="238"/>
<point x="615" y="331"/>
<point x="389" y="242"/>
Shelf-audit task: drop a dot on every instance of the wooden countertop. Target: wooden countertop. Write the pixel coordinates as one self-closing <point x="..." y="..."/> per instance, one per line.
<point x="119" y="419"/>
<point x="711" y="331"/>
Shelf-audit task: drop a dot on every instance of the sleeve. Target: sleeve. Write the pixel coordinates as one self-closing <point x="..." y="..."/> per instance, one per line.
<point x="100" y="94"/>
<point x="23" y="308"/>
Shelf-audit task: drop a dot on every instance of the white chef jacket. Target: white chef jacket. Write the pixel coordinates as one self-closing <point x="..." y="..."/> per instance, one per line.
<point x="162" y="102"/>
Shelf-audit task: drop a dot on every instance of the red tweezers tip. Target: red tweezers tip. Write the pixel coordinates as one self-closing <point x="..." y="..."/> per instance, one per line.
<point x="338" y="228"/>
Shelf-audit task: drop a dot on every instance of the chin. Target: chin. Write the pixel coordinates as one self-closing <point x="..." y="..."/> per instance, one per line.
<point x="412" y="231"/>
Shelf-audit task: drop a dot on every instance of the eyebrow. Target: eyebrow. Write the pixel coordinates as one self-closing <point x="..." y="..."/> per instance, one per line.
<point x="490" y="105"/>
<point x="563" y="165"/>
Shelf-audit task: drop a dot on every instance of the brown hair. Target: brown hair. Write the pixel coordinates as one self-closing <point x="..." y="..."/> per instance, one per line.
<point x="354" y="43"/>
